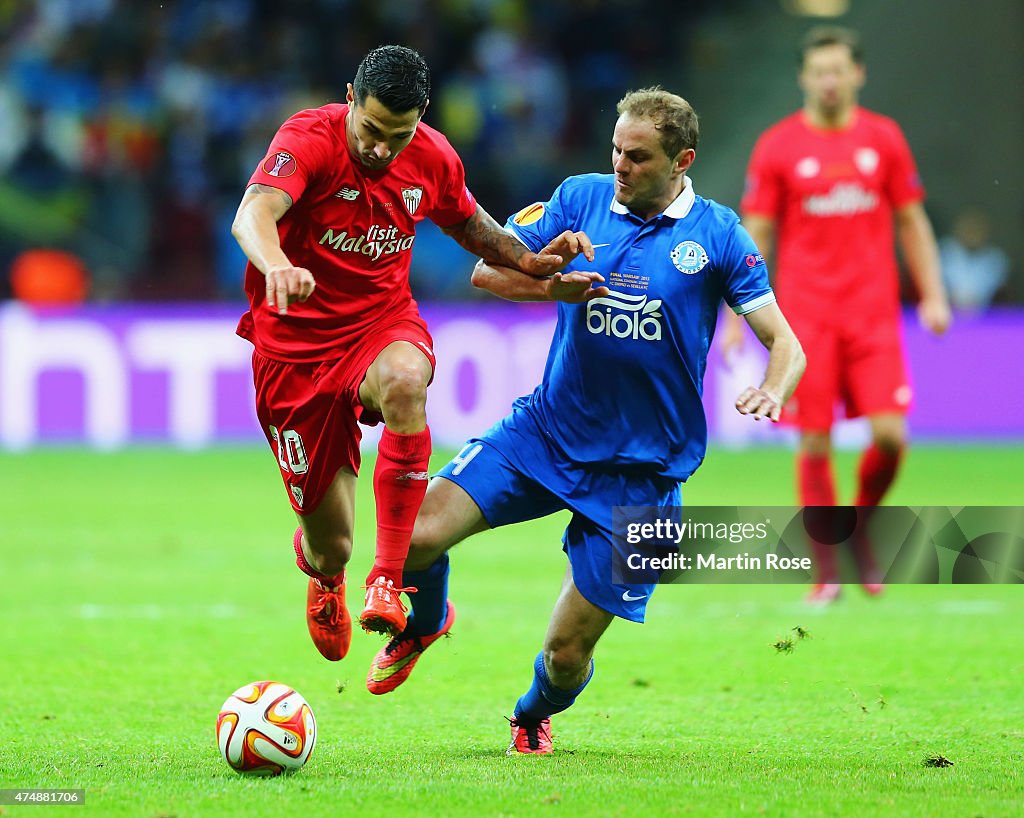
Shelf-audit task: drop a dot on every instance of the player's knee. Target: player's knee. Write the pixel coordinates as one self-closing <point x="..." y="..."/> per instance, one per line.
<point x="403" y="394"/>
<point x="890" y="441"/>
<point x="816" y="444"/>
<point x="428" y="542"/>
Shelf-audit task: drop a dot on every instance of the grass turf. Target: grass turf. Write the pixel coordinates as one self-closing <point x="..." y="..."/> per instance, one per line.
<point x="140" y="588"/>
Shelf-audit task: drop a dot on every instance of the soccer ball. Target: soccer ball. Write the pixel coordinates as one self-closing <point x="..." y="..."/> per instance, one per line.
<point x="266" y="728"/>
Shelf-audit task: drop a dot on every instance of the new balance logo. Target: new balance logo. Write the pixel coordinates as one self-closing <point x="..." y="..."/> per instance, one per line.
<point x="625" y="316"/>
<point x="347" y="193"/>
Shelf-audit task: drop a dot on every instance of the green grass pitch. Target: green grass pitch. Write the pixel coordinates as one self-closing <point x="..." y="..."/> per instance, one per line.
<point x="138" y="589"/>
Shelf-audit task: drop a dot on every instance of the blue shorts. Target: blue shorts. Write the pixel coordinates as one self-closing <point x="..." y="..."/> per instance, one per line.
<point x="515" y="473"/>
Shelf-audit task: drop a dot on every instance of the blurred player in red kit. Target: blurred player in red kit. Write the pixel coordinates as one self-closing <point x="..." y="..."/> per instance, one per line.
<point x="824" y="188"/>
<point x="328" y="222"/>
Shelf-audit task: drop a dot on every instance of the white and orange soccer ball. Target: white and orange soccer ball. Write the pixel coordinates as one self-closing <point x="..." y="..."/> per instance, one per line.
<point x="266" y="728"/>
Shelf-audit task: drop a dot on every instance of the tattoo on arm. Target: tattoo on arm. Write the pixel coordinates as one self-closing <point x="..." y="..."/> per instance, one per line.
<point x="279" y="201"/>
<point x="484" y="237"/>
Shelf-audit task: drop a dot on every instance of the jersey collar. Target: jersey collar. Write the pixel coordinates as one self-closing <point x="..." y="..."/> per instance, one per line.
<point x="678" y="209"/>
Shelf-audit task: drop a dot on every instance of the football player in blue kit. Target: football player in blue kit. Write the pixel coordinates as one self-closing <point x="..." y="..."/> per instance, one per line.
<point x="617" y="419"/>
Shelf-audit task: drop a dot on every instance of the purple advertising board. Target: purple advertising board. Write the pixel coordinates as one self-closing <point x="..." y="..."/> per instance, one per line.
<point x="119" y="375"/>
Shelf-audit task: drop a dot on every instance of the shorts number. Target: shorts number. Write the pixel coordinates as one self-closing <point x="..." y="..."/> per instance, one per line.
<point x="291" y="454"/>
<point x="465" y="457"/>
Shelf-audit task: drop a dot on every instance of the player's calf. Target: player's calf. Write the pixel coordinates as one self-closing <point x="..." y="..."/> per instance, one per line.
<point x="567" y="665"/>
<point x="327" y="617"/>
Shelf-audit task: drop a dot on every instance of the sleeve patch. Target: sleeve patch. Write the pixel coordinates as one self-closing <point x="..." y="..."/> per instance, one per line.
<point x="279" y="164"/>
<point x="529" y="214"/>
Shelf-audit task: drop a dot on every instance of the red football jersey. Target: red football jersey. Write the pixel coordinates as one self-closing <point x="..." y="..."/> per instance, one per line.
<point x="353" y="228"/>
<point x="832" y="195"/>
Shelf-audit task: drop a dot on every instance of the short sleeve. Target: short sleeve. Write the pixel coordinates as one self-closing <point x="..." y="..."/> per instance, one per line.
<point x="455" y="202"/>
<point x="903" y="184"/>
<point x="745" y="273"/>
<point x="538" y="223"/>
<point x="763" y="188"/>
<point x="296" y="156"/>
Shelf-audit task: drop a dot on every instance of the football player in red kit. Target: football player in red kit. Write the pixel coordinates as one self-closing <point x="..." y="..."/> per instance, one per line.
<point x="824" y="188"/>
<point x="328" y="222"/>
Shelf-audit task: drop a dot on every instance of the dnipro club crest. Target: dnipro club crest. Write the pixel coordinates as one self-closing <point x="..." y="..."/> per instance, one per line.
<point x="689" y="257"/>
<point x="279" y="164"/>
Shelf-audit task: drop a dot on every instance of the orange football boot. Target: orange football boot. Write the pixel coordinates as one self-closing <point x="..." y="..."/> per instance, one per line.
<point x="328" y="619"/>
<point x="384" y="611"/>
<point x="395" y="661"/>
<point x="824" y="593"/>
<point x="530" y="736"/>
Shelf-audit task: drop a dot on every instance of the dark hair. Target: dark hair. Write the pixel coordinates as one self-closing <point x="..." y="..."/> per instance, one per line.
<point x="396" y="76"/>
<point x="821" y="36"/>
<point x="673" y="117"/>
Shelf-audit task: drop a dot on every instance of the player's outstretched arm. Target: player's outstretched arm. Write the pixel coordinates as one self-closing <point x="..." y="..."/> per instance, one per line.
<point x="786" y="364"/>
<point x="512" y="285"/>
<point x="484" y="237"/>
<point x="255" y="230"/>
<point x="917" y="240"/>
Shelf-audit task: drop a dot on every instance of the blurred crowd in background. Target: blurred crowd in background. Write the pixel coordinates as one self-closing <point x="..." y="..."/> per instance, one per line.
<point x="128" y="129"/>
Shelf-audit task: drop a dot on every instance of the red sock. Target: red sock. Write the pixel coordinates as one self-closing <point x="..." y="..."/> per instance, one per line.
<point x="816" y="487"/>
<point x="306" y="568"/>
<point x="876" y="472"/>
<point x="399" y="483"/>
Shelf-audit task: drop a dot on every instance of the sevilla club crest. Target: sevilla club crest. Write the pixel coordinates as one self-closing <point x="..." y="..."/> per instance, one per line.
<point x="412" y="196"/>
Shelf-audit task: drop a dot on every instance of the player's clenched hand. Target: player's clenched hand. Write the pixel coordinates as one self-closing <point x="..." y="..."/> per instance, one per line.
<point x="558" y="253"/>
<point x="760" y="403"/>
<point x="286" y="285"/>
<point x="575" y="288"/>
<point x="934" y="315"/>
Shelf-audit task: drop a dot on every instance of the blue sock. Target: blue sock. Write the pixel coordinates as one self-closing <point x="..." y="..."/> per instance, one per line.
<point x="430" y="602"/>
<point x="543" y="699"/>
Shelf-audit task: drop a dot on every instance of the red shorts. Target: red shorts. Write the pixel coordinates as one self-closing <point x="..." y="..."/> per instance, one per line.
<point x="310" y="412"/>
<point x="861" y="367"/>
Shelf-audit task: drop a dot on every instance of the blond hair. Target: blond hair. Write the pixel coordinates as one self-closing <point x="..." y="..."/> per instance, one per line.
<point x="673" y="117"/>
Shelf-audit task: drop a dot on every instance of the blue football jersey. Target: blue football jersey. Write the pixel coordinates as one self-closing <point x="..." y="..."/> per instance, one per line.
<point x="624" y="377"/>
